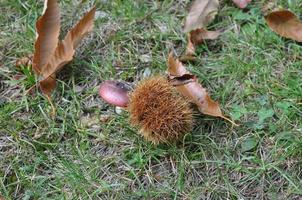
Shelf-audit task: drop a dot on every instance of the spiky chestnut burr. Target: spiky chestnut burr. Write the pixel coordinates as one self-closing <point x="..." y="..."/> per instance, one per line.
<point x="161" y="114"/>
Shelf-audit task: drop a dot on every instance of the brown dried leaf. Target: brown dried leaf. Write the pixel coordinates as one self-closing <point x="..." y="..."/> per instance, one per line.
<point x="190" y="51"/>
<point x="196" y="37"/>
<point x="50" y="54"/>
<point x="48" y="30"/>
<point x="190" y="47"/>
<point x="286" y="24"/>
<point x="194" y="91"/>
<point x="181" y="80"/>
<point x="48" y="85"/>
<point x="202" y="13"/>
<point x="66" y="48"/>
<point x="199" y="35"/>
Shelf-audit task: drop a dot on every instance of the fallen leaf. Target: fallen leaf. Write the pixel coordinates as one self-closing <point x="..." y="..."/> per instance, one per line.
<point x="181" y="80"/>
<point x="193" y="91"/>
<point x="48" y="30"/>
<point x="199" y="35"/>
<point x="200" y="15"/>
<point x="190" y="51"/>
<point x="50" y="54"/>
<point x="190" y="47"/>
<point x="65" y="51"/>
<point x="286" y="24"/>
<point x="48" y="85"/>
<point x="66" y="48"/>
<point x="242" y="3"/>
<point x="196" y="37"/>
<point x="202" y="12"/>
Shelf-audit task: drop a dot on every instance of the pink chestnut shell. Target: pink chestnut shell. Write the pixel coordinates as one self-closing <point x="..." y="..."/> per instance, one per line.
<point x="115" y="93"/>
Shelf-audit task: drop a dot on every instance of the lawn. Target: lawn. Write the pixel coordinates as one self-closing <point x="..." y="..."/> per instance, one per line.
<point x="89" y="150"/>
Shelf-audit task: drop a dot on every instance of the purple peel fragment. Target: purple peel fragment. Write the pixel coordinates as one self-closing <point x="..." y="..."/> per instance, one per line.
<point x="115" y="93"/>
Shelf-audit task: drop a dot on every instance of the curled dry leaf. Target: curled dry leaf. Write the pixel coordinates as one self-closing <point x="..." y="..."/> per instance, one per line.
<point x="51" y="54"/>
<point x="48" y="30"/>
<point x="190" y="51"/>
<point x="66" y="48"/>
<point x="202" y="13"/>
<point x="48" y="85"/>
<point x="242" y="3"/>
<point x="196" y="37"/>
<point x="65" y="51"/>
<point x="181" y="80"/>
<point x="193" y="91"/>
<point x="286" y="24"/>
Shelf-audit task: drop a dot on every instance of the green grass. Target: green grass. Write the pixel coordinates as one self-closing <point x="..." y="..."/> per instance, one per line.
<point x="253" y="73"/>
